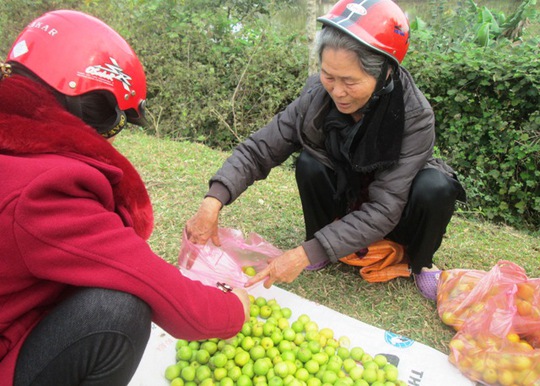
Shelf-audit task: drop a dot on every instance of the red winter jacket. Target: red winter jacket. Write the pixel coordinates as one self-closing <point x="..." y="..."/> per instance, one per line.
<point x="74" y="212"/>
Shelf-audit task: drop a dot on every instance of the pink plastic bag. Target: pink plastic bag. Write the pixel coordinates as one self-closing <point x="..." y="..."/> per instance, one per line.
<point x="210" y="264"/>
<point x="462" y="293"/>
<point x="488" y="350"/>
<point x="497" y="319"/>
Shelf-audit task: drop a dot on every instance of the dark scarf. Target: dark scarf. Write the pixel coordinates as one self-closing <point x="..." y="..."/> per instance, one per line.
<point x="359" y="149"/>
<point x="33" y="122"/>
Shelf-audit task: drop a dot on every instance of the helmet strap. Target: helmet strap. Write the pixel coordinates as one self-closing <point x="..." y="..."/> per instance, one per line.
<point x="117" y="126"/>
<point x="384" y="85"/>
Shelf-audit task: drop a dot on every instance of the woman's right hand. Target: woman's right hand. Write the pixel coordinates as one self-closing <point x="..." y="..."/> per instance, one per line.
<point x="283" y="269"/>
<point x="203" y="226"/>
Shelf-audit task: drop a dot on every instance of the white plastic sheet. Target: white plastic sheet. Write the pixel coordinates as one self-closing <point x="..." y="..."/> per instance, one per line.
<point x="418" y="364"/>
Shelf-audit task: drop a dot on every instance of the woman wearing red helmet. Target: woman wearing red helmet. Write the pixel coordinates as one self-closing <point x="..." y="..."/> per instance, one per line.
<point x="79" y="285"/>
<point x="365" y="134"/>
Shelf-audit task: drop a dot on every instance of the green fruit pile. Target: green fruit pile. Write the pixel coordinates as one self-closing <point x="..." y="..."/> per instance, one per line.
<point x="272" y="351"/>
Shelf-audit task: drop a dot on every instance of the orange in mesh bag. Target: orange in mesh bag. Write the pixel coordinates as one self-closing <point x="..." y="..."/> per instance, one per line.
<point x="491" y="346"/>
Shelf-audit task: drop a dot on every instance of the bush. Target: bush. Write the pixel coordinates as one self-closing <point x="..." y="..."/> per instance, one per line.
<point x="214" y="78"/>
<point x="486" y="102"/>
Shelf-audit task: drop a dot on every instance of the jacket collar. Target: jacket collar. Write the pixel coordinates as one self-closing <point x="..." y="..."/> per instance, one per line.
<point x="33" y="122"/>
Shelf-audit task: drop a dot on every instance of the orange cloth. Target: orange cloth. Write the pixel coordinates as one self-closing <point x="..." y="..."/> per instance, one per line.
<point x="384" y="261"/>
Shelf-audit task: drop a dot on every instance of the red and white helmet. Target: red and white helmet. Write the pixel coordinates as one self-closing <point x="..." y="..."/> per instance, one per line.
<point x="378" y="24"/>
<point x="76" y="53"/>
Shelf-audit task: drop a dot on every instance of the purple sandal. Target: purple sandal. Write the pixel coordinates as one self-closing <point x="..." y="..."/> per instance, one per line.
<point x="427" y="283"/>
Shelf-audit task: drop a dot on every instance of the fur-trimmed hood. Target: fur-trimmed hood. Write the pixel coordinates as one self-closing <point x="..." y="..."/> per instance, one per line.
<point x="33" y="122"/>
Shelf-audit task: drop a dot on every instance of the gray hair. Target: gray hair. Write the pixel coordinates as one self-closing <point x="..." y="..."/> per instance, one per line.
<point x="369" y="60"/>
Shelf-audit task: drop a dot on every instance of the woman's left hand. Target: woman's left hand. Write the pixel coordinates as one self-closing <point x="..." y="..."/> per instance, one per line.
<point x="282" y="269"/>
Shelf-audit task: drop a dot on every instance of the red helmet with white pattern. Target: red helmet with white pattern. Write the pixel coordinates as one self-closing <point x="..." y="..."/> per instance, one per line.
<point x="76" y="54"/>
<point x="378" y="24"/>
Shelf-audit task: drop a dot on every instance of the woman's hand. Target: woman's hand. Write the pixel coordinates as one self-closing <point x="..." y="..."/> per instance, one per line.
<point x="282" y="269"/>
<point x="203" y="226"/>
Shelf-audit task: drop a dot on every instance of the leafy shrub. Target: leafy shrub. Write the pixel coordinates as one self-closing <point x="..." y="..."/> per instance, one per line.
<point x="214" y="78"/>
<point x="486" y="102"/>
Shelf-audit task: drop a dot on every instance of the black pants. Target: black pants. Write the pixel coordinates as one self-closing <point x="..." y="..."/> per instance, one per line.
<point x="95" y="337"/>
<point x="422" y="225"/>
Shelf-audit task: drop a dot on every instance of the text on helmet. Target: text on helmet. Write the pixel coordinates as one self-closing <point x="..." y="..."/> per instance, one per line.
<point x="43" y="27"/>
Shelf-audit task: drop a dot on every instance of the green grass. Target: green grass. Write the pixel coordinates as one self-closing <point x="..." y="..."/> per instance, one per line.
<point x="177" y="174"/>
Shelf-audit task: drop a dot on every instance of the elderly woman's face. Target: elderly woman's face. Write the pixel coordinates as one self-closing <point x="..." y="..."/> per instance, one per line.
<point x="349" y="86"/>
